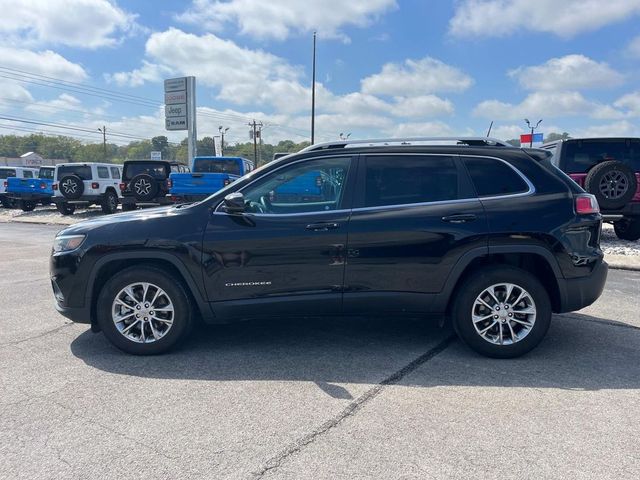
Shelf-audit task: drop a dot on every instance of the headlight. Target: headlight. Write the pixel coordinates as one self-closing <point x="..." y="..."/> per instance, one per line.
<point x="66" y="243"/>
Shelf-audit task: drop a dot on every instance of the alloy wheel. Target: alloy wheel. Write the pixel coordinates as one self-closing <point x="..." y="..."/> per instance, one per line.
<point x="503" y="314"/>
<point x="142" y="312"/>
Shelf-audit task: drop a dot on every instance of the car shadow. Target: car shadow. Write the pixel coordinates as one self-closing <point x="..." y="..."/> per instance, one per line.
<point x="580" y="352"/>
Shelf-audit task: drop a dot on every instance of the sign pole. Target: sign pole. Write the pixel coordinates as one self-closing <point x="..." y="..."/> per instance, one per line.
<point x="191" y="121"/>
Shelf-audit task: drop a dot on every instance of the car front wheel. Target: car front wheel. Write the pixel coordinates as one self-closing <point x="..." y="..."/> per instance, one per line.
<point x="628" y="228"/>
<point x="144" y="311"/>
<point x="501" y="312"/>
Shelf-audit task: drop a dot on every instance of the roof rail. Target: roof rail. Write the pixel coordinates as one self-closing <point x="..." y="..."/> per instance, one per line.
<point x="470" y="141"/>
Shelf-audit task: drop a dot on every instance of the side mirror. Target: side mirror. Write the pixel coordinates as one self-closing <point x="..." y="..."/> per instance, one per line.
<point x="234" y="203"/>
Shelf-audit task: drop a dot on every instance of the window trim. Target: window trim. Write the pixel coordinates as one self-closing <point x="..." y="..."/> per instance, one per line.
<point x="351" y="176"/>
<point x="531" y="188"/>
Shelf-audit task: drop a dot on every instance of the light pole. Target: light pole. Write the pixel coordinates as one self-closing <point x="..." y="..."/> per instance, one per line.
<point x="313" y="93"/>
<point x="222" y="131"/>
<point x="533" y="128"/>
<point x="344" y="136"/>
<point x="103" y="130"/>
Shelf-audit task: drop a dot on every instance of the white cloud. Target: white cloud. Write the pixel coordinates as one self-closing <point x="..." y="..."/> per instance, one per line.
<point x="566" y="18"/>
<point x="76" y="23"/>
<point x="422" y="106"/>
<point x="44" y="63"/>
<point x="622" y="128"/>
<point x="571" y="72"/>
<point x="629" y="102"/>
<point x="148" y="72"/>
<point x="633" y="49"/>
<point x="280" y="19"/>
<point x="415" y="78"/>
<point x="424" y="129"/>
<point x="546" y="104"/>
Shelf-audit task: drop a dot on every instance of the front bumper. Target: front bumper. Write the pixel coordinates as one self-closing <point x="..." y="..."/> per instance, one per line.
<point x="578" y="293"/>
<point x="75" y="314"/>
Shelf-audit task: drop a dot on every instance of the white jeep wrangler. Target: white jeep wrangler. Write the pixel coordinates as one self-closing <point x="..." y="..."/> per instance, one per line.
<point x="19" y="172"/>
<point x="86" y="184"/>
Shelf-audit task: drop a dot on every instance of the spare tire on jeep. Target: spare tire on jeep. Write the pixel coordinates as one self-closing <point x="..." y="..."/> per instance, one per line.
<point x="613" y="183"/>
<point x="144" y="187"/>
<point x="71" y="187"/>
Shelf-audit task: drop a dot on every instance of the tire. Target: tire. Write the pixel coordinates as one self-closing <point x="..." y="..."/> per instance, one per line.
<point x="109" y="203"/>
<point x="65" y="208"/>
<point x="466" y="304"/>
<point x="613" y="183"/>
<point x="628" y="228"/>
<point x="27" y="205"/>
<point x="71" y="187"/>
<point x="128" y="207"/>
<point x="169" y="335"/>
<point x="144" y="187"/>
<point x="7" y="202"/>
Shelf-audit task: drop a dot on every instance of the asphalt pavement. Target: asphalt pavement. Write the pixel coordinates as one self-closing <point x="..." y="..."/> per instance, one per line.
<point x="339" y="398"/>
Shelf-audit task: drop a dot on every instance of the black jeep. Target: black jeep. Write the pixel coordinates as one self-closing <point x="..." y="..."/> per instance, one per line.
<point x="145" y="182"/>
<point x="490" y="237"/>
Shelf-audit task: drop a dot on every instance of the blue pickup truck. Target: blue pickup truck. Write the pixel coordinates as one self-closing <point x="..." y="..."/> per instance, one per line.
<point x="26" y="193"/>
<point x="208" y="175"/>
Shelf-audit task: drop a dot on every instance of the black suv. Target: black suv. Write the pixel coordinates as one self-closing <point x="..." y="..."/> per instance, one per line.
<point x="145" y="182"/>
<point x="491" y="237"/>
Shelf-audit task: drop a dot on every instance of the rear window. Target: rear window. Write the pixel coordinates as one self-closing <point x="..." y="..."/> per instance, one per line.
<point x="579" y="156"/>
<point x="156" y="170"/>
<point x="493" y="178"/>
<point x="46" y="173"/>
<point x="7" y="172"/>
<point x="27" y="174"/>
<point x="217" y="165"/>
<point x="82" y="171"/>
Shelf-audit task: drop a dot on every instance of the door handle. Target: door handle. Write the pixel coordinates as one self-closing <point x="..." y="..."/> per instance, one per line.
<point x="459" y="218"/>
<point x="322" y="227"/>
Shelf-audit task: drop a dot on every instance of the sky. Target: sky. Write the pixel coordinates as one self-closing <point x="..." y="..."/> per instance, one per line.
<point x="385" y="68"/>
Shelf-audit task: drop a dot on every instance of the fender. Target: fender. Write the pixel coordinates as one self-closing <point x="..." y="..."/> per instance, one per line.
<point x="195" y="290"/>
<point x="442" y="299"/>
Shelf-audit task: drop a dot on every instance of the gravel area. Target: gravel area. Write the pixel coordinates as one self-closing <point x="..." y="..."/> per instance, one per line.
<point x="612" y="245"/>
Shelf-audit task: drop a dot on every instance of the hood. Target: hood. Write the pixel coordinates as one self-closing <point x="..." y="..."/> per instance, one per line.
<point x="126" y="217"/>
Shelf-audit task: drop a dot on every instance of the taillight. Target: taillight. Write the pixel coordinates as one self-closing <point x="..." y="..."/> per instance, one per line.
<point x="5" y="184"/>
<point x="43" y="185"/>
<point x="54" y="186"/>
<point x="586" y="204"/>
<point x="226" y="182"/>
<point x="123" y="186"/>
<point x="95" y="185"/>
<point x="169" y="183"/>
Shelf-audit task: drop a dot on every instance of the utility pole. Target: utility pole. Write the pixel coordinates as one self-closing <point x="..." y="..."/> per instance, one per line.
<point x="313" y="93"/>
<point x="103" y="130"/>
<point x="533" y="128"/>
<point x="222" y="131"/>
<point x="254" y="135"/>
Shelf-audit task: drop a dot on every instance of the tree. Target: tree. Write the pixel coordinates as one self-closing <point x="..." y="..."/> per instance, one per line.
<point x="161" y="144"/>
<point x="552" y="137"/>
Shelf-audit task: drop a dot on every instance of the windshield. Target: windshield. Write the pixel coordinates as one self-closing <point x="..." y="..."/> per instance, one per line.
<point x="156" y="170"/>
<point x="7" y="172"/>
<point x="82" y="171"/>
<point x="46" y="173"/>
<point x="217" y="165"/>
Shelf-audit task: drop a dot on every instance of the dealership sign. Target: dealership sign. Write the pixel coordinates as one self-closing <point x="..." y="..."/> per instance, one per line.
<point x="180" y="108"/>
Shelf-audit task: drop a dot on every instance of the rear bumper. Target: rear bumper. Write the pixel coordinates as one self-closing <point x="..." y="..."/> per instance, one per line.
<point x="163" y="200"/>
<point x="83" y="199"/>
<point x="581" y="292"/>
<point x="30" y="196"/>
<point x="631" y="209"/>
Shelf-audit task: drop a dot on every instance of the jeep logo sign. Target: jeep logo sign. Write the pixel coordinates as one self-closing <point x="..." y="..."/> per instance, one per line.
<point x="175" y="110"/>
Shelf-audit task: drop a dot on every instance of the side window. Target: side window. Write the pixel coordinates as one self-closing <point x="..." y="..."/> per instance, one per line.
<point x="407" y="179"/>
<point x="309" y="186"/>
<point x="492" y="177"/>
<point x="115" y="172"/>
<point x="103" y="172"/>
<point x="27" y="174"/>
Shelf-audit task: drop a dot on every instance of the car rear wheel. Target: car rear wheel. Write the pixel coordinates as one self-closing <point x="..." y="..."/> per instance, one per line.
<point x="628" y="228"/>
<point x="65" y="208"/>
<point x="109" y="202"/>
<point x="501" y="312"/>
<point x="27" y="205"/>
<point x="144" y="311"/>
<point x="7" y="203"/>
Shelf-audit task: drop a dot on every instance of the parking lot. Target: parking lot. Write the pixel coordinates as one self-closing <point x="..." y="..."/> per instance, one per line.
<point x="312" y="398"/>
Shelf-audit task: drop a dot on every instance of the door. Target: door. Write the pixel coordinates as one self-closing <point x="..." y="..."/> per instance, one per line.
<point x="414" y="216"/>
<point x="285" y="254"/>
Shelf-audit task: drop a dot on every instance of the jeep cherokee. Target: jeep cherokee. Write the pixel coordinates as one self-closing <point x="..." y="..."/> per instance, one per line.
<point x="490" y="237"/>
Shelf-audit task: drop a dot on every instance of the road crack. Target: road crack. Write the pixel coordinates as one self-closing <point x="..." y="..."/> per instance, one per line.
<point x="351" y="409"/>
